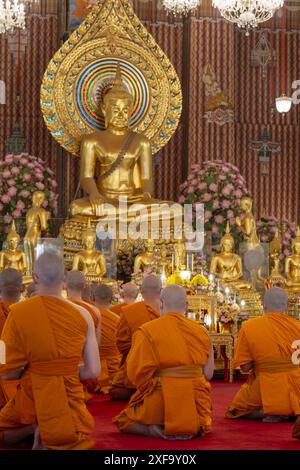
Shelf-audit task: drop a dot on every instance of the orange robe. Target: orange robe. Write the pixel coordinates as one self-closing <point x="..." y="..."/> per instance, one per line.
<point x="109" y="353"/>
<point x="46" y="336"/>
<point x="7" y="387"/>
<point x="118" y="308"/>
<point x="165" y="365"/>
<point x="89" y="385"/>
<point x="133" y="316"/>
<point x="274" y="383"/>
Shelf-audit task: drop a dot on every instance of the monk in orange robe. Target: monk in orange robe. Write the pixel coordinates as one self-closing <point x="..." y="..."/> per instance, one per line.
<point x="10" y="291"/>
<point x="109" y="353"/>
<point x="264" y="348"/>
<point x="129" y="294"/>
<point x="75" y="285"/>
<point x="134" y="316"/>
<point x="170" y="363"/>
<point x="50" y="345"/>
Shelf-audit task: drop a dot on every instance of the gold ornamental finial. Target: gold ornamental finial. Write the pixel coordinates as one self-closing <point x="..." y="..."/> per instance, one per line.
<point x="227" y="230"/>
<point x="118" y="89"/>
<point x="89" y="230"/>
<point x="13" y="232"/>
<point x="227" y="235"/>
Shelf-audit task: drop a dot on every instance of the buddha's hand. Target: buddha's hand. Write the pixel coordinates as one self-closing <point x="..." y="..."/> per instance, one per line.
<point x="147" y="196"/>
<point x="95" y="200"/>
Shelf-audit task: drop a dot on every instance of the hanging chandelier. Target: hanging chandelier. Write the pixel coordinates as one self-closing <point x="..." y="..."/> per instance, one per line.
<point x="247" y="14"/>
<point x="12" y="14"/>
<point x="181" y="7"/>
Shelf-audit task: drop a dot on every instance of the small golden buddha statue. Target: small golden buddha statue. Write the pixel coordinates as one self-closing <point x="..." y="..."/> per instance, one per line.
<point x="180" y="255"/>
<point x="292" y="265"/>
<point x="275" y="251"/>
<point x="146" y="259"/>
<point x="165" y="265"/>
<point x="124" y="156"/>
<point x="227" y="265"/>
<point x="89" y="260"/>
<point x="12" y="257"/>
<point x="247" y="224"/>
<point x="36" y="222"/>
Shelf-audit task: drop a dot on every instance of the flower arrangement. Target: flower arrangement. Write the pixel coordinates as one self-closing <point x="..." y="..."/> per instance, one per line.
<point x="175" y="279"/>
<point x="20" y="176"/>
<point x="220" y="187"/>
<point x="200" y="280"/>
<point x="266" y="227"/>
<point x="116" y="288"/>
<point x="230" y="310"/>
<point x="138" y="278"/>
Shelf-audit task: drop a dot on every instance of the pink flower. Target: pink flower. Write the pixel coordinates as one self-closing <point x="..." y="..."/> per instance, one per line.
<point x="222" y="177"/>
<point x="264" y="238"/>
<point x="6" y="174"/>
<point x="286" y="252"/>
<point x="12" y="191"/>
<point x="202" y="186"/>
<point x="7" y="218"/>
<point x="9" y="159"/>
<point x="230" y="214"/>
<point x="16" y="214"/>
<point x="287" y="235"/>
<point x="20" y="205"/>
<point x="27" y="177"/>
<point x="24" y="161"/>
<point x="11" y="182"/>
<point x="39" y="176"/>
<point x="225" y="169"/>
<point x="30" y="165"/>
<point x="226" y="191"/>
<point x="219" y="219"/>
<point x="46" y="204"/>
<point x="181" y="199"/>
<point x="226" y="204"/>
<point x="238" y="193"/>
<point x="15" y="170"/>
<point x="207" y="215"/>
<point x="213" y="187"/>
<point x="194" y="182"/>
<point x="232" y="221"/>
<point x="238" y="202"/>
<point x="214" y="229"/>
<point x="5" y="199"/>
<point x="40" y="186"/>
<point x="190" y="190"/>
<point x="216" y="205"/>
<point x="206" y="197"/>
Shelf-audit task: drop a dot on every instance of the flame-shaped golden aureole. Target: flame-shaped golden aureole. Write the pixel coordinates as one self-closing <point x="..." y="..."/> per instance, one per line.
<point x="83" y="69"/>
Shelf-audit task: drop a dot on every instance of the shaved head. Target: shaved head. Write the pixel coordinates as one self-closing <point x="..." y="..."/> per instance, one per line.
<point x="49" y="270"/>
<point x="75" y="280"/>
<point x="174" y="299"/>
<point x="151" y="285"/>
<point x="276" y="300"/>
<point x="87" y="293"/>
<point x="31" y="289"/>
<point x="102" y="294"/>
<point x="11" y="285"/>
<point x="130" y="292"/>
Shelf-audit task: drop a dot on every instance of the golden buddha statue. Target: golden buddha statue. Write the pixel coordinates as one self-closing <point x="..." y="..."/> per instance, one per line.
<point x="180" y="254"/>
<point x="275" y="251"/>
<point x="36" y="222"/>
<point x="164" y="262"/>
<point x="227" y="265"/>
<point x="124" y="156"/>
<point x="146" y="259"/>
<point x="89" y="260"/>
<point x="292" y="265"/>
<point x="247" y="224"/>
<point x="12" y="257"/>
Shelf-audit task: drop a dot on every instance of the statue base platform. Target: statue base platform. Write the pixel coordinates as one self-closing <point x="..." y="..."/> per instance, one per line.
<point x="294" y="302"/>
<point x="253" y="305"/>
<point x="71" y="231"/>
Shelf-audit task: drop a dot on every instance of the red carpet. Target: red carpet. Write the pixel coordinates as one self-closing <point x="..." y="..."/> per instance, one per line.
<point x="226" y="434"/>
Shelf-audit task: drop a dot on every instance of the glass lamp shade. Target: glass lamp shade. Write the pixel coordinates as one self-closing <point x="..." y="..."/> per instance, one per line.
<point x="283" y="104"/>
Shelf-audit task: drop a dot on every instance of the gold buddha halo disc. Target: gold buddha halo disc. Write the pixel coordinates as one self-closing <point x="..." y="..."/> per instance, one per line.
<point x="84" y="68"/>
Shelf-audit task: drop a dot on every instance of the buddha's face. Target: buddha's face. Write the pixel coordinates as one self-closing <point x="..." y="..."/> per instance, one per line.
<point x="13" y="243"/>
<point x="246" y="205"/>
<point x="296" y="248"/>
<point x="88" y="242"/>
<point x="117" y="112"/>
<point x="38" y="199"/>
<point x="227" y="246"/>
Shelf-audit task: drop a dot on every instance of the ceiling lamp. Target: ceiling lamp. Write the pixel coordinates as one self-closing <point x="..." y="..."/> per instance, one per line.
<point x="283" y="103"/>
<point x="181" y="7"/>
<point x="12" y="14"/>
<point x="247" y="14"/>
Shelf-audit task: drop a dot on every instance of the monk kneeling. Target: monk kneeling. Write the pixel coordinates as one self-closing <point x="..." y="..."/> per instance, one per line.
<point x="170" y="363"/>
<point x="47" y="339"/>
<point x="264" y="348"/>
